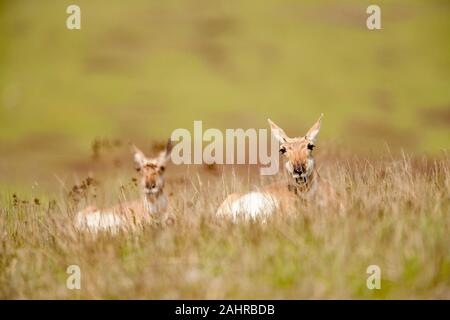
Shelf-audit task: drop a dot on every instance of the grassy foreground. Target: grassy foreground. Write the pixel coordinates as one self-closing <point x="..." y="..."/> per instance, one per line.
<point x="396" y="216"/>
<point x="138" y="70"/>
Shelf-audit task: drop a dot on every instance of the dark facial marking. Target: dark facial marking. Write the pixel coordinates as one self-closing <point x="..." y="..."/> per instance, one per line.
<point x="151" y="165"/>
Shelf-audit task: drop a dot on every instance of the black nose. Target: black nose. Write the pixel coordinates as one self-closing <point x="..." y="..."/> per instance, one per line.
<point x="298" y="170"/>
<point x="150" y="185"/>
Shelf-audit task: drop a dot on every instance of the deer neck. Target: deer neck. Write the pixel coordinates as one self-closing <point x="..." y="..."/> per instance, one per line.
<point x="155" y="203"/>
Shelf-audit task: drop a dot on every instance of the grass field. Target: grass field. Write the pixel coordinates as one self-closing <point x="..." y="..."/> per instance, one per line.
<point x="396" y="216"/>
<point x="71" y="100"/>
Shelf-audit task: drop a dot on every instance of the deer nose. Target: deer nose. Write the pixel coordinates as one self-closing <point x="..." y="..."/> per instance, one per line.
<point x="150" y="185"/>
<point x="298" y="170"/>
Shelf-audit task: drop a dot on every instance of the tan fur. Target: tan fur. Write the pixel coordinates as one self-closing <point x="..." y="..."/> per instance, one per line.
<point x="153" y="207"/>
<point x="303" y="184"/>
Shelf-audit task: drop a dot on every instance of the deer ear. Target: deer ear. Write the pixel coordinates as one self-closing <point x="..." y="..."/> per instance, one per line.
<point x="164" y="156"/>
<point x="139" y="156"/>
<point x="278" y="132"/>
<point x="314" y="131"/>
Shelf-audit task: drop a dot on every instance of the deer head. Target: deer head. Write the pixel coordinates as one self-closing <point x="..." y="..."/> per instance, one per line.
<point x="152" y="169"/>
<point x="298" y="151"/>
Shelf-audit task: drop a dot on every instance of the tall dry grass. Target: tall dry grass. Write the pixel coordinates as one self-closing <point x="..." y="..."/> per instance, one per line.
<point x="395" y="215"/>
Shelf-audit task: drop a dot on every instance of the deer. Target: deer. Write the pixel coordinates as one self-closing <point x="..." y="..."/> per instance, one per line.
<point x="153" y="207"/>
<point x="304" y="183"/>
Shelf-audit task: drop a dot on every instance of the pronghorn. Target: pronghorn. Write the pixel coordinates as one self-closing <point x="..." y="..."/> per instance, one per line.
<point x="304" y="183"/>
<point x="153" y="207"/>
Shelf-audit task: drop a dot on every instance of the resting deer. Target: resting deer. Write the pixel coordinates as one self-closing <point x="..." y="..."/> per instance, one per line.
<point x="152" y="207"/>
<point x="304" y="183"/>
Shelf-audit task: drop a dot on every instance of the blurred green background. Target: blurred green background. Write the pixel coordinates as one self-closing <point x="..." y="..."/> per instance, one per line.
<point x="139" y="69"/>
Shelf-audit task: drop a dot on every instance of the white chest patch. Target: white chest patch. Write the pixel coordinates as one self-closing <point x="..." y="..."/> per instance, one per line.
<point x="156" y="207"/>
<point x="253" y="205"/>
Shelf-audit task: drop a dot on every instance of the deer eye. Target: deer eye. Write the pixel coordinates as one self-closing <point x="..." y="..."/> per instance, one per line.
<point x="162" y="168"/>
<point x="311" y="146"/>
<point x="283" y="150"/>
